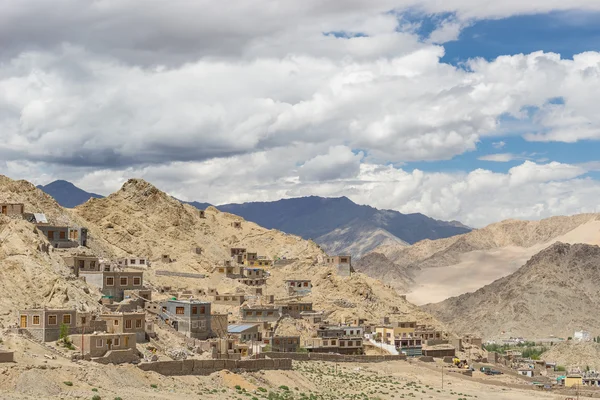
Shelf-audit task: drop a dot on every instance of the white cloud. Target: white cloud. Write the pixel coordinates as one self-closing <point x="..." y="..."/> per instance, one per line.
<point x="499" y="157"/>
<point x="499" y="145"/>
<point x="476" y="198"/>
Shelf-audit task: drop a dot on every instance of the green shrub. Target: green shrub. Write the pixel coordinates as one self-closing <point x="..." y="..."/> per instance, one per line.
<point x="96" y="397"/>
<point x="262" y="389"/>
<point x="238" y="387"/>
<point x="68" y="383"/>
<point x="94" y="390"/>
<point x="118" y="398"/>
<point x="283" y="387"/>
<point x="154" y="386"/>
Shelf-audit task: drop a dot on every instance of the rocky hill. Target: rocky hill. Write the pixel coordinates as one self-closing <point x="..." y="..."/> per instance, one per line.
<point x="141" y="220"/>
<point x="554" y="293"/>
<point x="380" y="267"/>
<point x="449" y="267"/>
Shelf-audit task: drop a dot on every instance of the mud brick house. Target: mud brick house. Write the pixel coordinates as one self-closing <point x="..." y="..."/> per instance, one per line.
<point x="126" y="323"/>
<point x="44" y="324"/>
<point x="237" y="254"/>
<point x="252" y="281"/>
<point x="283" y="344"/>
<point x="260" y="314"/>
<point x="113" y="284"/>
<point x="191" y="318"/>
<point x="229" y="299"/>
<point x="82" y="263"/>
<point x="244" y="332"/>
<point x="313" y="317"/>
<point x="64" y="236"/>
<point x="298" y="286"/>
<point x="98" y="344"/>
<point x="12" y="209"/>
<point x="342" y="345"/>
<point x="295" y="309"/>
<point x="343" y="264"/>
<point x="133" y="262"/>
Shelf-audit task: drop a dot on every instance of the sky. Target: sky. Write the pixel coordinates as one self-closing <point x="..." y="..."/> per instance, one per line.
<point x="469" y="110"/>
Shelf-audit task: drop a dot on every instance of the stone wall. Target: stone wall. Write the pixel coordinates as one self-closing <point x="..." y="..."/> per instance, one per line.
<point x="7" y="356"/>
<point x="180" y="274"/>
<point x="207" y="367"/>
<point x="332" y="357"/>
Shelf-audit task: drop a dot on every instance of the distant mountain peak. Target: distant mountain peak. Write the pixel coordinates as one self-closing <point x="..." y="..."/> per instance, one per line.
<point x="67" y="194"/>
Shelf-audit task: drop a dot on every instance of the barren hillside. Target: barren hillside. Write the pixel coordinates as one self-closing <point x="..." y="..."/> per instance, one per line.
<point x="30" y="277"/>
<point x="141" y="220"/>
<point x="453" y="266"/>
<point x="378" y="266"/>
<point x="554" y="293"/>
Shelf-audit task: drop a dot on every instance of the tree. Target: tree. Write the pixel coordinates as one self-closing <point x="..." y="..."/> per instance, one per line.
<point x="64" y="333"/>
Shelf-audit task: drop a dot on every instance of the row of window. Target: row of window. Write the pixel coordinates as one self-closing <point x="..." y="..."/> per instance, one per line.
<point x="52" y="319"/>
<point x="114" y="342"/>
<point x="181" y="310"/>
<point x="123" y="281"/>
<point x="129" y="324"/>
<point x="259" y="313"/>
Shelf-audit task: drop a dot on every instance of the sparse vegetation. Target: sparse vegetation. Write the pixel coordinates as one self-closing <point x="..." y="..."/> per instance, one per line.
<point x="68" y="383"/>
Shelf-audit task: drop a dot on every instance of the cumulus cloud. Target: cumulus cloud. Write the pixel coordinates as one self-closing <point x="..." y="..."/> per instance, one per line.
<point x="313" y="97"/>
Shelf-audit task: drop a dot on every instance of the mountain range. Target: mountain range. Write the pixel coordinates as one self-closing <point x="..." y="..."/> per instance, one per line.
<point x="338" y="225"/>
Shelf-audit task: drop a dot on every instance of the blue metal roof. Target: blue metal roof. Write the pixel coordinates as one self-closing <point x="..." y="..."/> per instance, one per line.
<point x="239" y="328"/>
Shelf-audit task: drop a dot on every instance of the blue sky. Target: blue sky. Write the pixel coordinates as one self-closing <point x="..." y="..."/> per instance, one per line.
<point x="566" y="33"/>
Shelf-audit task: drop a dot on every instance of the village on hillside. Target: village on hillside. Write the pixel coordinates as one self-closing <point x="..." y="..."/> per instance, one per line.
<point x="207" y="329"/>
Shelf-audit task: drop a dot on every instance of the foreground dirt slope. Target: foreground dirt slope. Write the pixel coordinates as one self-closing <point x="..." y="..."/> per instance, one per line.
<point x="554" y="293"/>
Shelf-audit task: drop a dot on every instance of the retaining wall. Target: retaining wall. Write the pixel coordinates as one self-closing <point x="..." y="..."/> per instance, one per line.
<point x="206" y="367"/>
<point x="333" y="357"/>
<point x="161" y="272"/>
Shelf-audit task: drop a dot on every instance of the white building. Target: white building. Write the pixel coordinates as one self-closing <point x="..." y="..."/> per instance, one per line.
<point x="582" y="336"/>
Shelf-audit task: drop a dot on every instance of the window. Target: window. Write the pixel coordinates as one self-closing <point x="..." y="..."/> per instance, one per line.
<point x="116" y="322"/>
<point x="117" y="342"/>
<point x="221" y="270"/>
<point x="142" y="261"/>
<point x="194" y="324"/>
<point x="67" y="319"/>
<point x="62" y="235"/>
<point x="92" y="264"/>
<point x="333" y="342"/>
<point x="194" y="310"/>
<point x="248" y="313"/>
<point x="51" y="319"/>
<point x="132" y="261"/>
<point x="51" y="235"/>
<point x="137" y="281"/>
<point x="124" y="281"/>
<point x="128" y="324"/>
<point x="99" y="343"/>
<point x="36" y="319"/>
<point x="179" y="310"/>
<point x="83" y="320"/>
<point x="110" y="281"/>
<point x="270" y="313"/>
<point x="202" y="310"/>
<point x="81" y="264"/>
<point x="259" y="313"/>
<point x="305" y="284"/>
<point x="343" y="344"/>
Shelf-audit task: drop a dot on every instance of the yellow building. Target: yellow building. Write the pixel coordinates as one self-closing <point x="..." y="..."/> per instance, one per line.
<point x="573" y="380"/>
<point x="388" y="333"/>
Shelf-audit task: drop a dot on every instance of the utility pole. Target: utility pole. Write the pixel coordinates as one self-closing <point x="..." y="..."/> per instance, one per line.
<point x="442" y="377"/>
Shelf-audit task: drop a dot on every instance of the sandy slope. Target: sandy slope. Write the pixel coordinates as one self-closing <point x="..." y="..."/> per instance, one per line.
<point x="554" y="293"/>
<point x="462" y="264"/>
